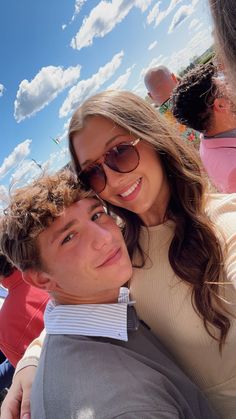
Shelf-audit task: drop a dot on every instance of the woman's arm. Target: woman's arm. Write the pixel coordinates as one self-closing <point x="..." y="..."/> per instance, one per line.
<point x="17" y="402"/>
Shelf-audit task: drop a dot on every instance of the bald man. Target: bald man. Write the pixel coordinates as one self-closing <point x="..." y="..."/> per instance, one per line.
<point x="160" y="83"/>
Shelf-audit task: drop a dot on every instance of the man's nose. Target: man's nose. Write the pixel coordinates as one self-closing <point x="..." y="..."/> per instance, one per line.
<point x="100" y="236"/>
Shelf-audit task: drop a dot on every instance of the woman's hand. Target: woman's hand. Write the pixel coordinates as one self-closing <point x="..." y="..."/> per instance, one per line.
<point x="16" y="404"/>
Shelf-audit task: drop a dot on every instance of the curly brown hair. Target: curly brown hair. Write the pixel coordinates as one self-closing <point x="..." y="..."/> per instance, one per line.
<point x="195" y="253"/>
<point x="32" y="209"/>
<point x="194" y="96"/>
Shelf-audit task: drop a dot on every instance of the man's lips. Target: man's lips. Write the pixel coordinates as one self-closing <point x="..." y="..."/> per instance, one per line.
<point x="111" y="258"/>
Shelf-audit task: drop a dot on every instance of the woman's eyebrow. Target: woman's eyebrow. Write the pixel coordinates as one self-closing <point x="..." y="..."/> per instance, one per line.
<point x="110" y="141"/>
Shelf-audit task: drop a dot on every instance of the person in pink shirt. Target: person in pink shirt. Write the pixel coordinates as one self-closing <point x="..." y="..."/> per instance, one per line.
<point x="199" y="101"/>
<point x="21" y="315"/>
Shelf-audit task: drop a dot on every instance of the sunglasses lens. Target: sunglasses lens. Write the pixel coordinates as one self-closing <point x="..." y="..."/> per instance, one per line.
<point x="124" y="158"/>
<point x="94" y="178"/>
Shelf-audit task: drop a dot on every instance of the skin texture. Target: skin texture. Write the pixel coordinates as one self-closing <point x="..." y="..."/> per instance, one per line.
<point x="17" y="403"/>
<point x="85" y="260"/>
<point x="149" y="200"/>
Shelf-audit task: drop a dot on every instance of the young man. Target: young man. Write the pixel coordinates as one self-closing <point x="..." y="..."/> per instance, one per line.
<point x="200" y="102"/>
<point x="97" y="361"/>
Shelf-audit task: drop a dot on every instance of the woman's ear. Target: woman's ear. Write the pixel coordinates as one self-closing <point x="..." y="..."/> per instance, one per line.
<point x="39" y="279"/>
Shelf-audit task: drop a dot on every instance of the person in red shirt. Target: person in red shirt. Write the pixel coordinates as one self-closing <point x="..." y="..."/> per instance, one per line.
<point x="21" y="315"/>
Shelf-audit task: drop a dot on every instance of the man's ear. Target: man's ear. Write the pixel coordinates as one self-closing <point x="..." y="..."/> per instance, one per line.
<point x="174" y="77"/>
<point x="39" y="279"/>
<point x="221" y="104"/>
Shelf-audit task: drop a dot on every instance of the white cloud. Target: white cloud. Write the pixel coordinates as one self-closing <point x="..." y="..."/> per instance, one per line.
<point x="122" y="80"/>
<point x="193" y="24"/>
<point x="78" y="7"/>
<point x="196" y="46"/>
<point x="48" y="83"/>
<point x="57" y="160"/>
<point x="156" y="16"/>
<point x="182" y="13"/>
<point x="152" y="45"/>
<point x="195" y="2"/>
<point x="63" y="27"/>
<point x="103" y="18"/>
<point x="4" y="197"/>
<point x="160" y="60"/>
<point x="19" y="153"/>
<point x="1" y="89"/>
<point x="86" y="88"/>
<point x="26" y="171"/>
<point x="139" y="89"/>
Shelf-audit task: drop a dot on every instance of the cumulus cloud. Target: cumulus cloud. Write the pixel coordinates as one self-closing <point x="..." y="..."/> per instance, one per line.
<point x="196" y="46"/>
<point x="25" y="172"/>
<point x="122" y="80"/>
<point x="156" y="16"/>
<point x="63" y="27"/>
<point x="78" y="7"/>
<point x="86" y="88"/>
<point x="182" y="13"/>
<point x="1" y="89"/>
<point x="19" y="153"/>
<point x="34" y="95"/>
<point x="160" y="60"/>
<point x="193" y="24"/>
<point x="56" y="160"/>
<point x="152" y="45"/>
<point x="103" y="18"/>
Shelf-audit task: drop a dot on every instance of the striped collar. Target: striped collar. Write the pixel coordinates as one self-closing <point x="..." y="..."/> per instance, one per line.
<point x="97" y="320"/>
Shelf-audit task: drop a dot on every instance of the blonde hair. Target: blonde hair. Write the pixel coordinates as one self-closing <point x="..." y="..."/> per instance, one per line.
<point x="195" y="253"/>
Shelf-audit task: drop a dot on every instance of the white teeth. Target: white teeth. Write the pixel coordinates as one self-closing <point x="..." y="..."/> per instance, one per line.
<point x="131" y="189"/>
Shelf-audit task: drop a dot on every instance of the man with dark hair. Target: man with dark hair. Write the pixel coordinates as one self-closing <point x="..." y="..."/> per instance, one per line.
<point x="97" y="360"/>
<point x="200" y="102"/>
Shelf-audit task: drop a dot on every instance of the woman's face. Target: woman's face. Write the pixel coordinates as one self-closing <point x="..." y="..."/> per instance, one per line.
<point x="144" y="190"/>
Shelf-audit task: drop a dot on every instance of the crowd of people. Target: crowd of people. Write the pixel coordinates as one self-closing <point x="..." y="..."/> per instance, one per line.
<point x="133" y="253"/>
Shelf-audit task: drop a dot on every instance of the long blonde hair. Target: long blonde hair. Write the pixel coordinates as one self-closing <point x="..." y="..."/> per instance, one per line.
<point x="195" y="253"/>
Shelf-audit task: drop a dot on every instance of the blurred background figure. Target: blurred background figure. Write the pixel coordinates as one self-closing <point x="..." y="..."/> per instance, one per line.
<point x="200" y="102"/>
<point x="21" y="319"/>
<point x="160" y="83"/>
<point x="224" y="16"/>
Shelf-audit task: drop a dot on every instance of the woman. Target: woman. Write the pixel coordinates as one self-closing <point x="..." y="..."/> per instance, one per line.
<point x="182" y="241"/>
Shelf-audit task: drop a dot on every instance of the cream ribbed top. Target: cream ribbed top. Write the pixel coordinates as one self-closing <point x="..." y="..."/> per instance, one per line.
<point x="163" y="301"/>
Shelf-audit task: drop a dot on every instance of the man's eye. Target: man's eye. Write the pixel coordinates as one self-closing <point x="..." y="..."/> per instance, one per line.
<point x="68" y="238"/>
<point x="98" y="215"/>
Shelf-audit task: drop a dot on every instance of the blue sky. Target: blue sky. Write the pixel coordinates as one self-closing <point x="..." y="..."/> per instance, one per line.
<point x="56" y="53"/>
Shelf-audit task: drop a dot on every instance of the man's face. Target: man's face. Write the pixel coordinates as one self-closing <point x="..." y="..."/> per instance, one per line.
<point x="83" y="251"/>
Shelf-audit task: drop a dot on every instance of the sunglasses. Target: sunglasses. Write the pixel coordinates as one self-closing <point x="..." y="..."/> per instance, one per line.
<point x="123" y="158"/>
